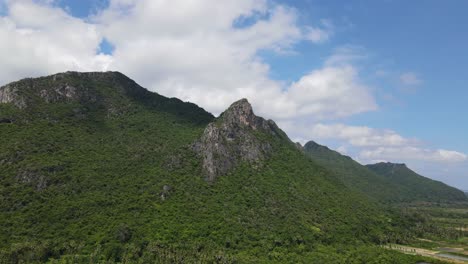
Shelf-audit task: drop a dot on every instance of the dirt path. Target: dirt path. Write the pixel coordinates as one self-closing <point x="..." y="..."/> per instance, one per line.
<point x="426" y="253"/>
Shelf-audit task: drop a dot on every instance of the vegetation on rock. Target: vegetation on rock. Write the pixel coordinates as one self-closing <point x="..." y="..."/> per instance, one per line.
<point x="95" y="168"/>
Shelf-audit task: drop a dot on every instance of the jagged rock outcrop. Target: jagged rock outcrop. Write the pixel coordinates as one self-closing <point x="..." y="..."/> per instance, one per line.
<point x="231" y="139"/>
<point x="9" y="94"/>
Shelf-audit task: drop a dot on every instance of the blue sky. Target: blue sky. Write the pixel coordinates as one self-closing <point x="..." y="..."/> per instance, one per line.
<point x="390" y="71"/>
<point x="430" y="39"/>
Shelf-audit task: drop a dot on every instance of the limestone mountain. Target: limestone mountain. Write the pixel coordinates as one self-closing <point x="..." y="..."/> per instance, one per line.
<point x="231" y="139"/>
<point x="96" y="169"/>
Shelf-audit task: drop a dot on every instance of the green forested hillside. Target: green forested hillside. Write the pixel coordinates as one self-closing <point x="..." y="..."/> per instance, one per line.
<point x="95" y="169"/>
<point x="355" y="175"/>
<point x="422" y="188"/>
<point x="383" y="182"/>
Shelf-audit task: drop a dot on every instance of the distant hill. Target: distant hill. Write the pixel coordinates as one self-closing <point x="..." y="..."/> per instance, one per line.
<point x="422" y="188"/>
<point x="96" y="169"/>
<point x="373" y="182"/>
<point x="353" y="174"/>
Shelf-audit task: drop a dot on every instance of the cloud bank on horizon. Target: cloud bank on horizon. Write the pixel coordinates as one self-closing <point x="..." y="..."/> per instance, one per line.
<point x="210" y="52"/>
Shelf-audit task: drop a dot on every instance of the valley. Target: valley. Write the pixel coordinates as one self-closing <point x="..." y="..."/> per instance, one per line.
<point x="446" y="238"/>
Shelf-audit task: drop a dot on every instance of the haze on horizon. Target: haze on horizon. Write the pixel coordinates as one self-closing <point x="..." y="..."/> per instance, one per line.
<point x="378" y="81"/>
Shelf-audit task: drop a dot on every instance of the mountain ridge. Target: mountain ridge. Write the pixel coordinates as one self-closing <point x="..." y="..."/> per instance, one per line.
<point x="108" y="172"/>
<point x="378" y="183"/>
<point x="427" y="188"/>
<point x="352" y="173"/>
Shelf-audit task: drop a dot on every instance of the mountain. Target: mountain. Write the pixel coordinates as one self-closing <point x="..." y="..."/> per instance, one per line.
<point x="95" y="168"/>
<point x="373" y="180"/>
<point x="422" y="188"/>
<point x="353" y="174"/>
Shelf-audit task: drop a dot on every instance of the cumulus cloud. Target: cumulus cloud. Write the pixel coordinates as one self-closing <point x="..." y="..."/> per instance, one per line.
<point x="410" y="78"/>
<point x="369" y="145"/>
<point x="193" y="50"/>
<point x="197" y="51"/>
<point x="331" y="92"/>
<point x="360" y="136"/>
<point x="40" y="39"/>
<point x="410" y="153"/>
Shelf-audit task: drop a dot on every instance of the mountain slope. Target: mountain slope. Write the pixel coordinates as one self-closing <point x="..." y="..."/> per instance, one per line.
<point x="95" y="168"/>
<point x="422" y="188"/>
<point x="354" y="175"/>
<point x="377" y="181"/>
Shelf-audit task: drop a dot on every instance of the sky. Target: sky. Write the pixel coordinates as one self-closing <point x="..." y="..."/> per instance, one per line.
<point x="382" y="80"/>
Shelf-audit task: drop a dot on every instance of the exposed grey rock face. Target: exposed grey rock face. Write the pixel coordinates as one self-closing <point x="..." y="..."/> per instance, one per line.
<point x="9" y="94"/>
<point x="59" y="88"/>
<point x="59" y="93"/>
<point x="231" y="139"/>
<point x="33" y="178"/>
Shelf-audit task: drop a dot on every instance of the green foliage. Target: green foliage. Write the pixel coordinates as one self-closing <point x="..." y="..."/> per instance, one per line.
<point x="402" y="186"/>
<point x="421" y="188"/>
<point x="83" y="181"/>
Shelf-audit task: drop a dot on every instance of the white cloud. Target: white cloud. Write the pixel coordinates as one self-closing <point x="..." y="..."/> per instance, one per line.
<point x="369" y="145"/>
<point x="360" y="136"/>
<point x="331" y="92"/>
<point x="190" y="50"/>
<point x="410" y="78"/>
<point x="38" y="39"/>
<point x="322" y="33"/>
<point x="410" y="153"/>
<point x="194" y="52"/>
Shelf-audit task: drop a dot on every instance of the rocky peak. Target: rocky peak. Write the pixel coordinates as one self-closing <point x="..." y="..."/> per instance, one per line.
<point x="241" y="113"/>
<point x="230" y="140"/>
<point x="104" y="88"/>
